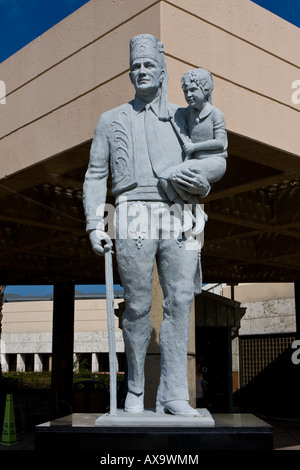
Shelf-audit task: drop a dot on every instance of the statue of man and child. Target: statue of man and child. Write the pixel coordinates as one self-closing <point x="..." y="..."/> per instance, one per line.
<point x="160" y="156"/>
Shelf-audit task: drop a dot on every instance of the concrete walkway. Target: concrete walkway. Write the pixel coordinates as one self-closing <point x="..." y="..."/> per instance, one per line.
<point x="286" y="434"/>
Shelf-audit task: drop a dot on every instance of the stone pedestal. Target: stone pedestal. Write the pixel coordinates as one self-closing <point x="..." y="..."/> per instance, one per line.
<point x="165" y="434"/>
<point x="159" y="420"/>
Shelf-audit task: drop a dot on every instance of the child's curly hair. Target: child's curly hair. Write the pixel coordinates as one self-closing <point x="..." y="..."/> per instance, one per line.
<point x="202" y="78"/>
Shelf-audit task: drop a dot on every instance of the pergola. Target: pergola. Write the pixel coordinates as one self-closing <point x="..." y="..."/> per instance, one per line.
<point x="252" y="233"/>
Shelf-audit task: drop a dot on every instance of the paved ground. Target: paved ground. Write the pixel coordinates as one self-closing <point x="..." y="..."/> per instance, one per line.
<point x="286" y="436"/>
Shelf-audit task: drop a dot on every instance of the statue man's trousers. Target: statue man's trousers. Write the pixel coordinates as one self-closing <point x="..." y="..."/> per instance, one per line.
<point x="177" y="260"/>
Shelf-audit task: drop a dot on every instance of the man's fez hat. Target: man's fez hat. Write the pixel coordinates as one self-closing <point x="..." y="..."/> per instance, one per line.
<point x="147" y="45"/>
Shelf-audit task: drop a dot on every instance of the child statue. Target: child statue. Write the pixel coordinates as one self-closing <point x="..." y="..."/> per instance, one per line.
<point x="202" y="130"/>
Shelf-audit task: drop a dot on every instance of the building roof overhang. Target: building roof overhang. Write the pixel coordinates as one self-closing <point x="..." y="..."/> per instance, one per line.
<point x="253" y="228"/>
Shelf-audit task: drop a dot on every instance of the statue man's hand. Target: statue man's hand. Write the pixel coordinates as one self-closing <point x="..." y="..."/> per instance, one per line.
<point x="100" y="242"/>
<point x="189" y="180"/>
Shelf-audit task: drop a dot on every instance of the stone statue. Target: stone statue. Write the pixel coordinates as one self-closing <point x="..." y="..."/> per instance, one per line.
<point x="138" y="143"/>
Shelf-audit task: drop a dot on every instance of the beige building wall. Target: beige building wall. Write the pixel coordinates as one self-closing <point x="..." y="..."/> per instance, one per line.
<point x="27" y="326"/>
<point x="27" y="329"/>
<point x="36" y="316"/>
<point x="90" y="330"/>
<point x="58" y="85"/>
<point x="74" y="72"/>
<point x="270" y="307"/>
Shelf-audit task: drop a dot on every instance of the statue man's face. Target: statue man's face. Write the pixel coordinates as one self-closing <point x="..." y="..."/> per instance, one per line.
<point x="146" y="76"/>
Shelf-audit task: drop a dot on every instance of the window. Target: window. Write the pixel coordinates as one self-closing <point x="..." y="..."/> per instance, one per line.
<point x="258" y="352"/>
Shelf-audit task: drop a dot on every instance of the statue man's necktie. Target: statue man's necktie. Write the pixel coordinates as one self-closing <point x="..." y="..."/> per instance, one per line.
<point x="155" y="150"/>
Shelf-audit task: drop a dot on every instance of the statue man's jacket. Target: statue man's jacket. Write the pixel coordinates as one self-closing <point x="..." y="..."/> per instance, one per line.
<point x="113" y="151"/>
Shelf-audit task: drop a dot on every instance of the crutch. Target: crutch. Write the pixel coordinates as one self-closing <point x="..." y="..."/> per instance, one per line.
<point x="111" y="330"/>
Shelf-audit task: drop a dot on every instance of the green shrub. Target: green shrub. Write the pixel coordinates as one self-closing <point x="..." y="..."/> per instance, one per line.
<point x="26" y="380"/>
<point x="101" y="380"/>
<point x="42" y="380"/>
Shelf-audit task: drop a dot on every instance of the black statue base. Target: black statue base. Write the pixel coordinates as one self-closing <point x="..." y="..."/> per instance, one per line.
<point x="80" y="432"/>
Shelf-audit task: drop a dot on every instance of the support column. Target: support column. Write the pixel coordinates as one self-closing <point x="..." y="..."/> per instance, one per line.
<point x="297" y="307"/>
<point x="229" y="370"/>
<point x="63" y="340"/>
<point x="38" y="365"/>
<point x="20" y="363"/>
<point x="152" y="364"/>
<point x="95" y="362"/>
<point x="4" y="363"/>
<point x="75" y="363"/>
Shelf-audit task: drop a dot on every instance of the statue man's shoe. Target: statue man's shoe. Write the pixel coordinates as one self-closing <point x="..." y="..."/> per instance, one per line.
<point x="134" y="403"/>
<point x="176" y="407"/>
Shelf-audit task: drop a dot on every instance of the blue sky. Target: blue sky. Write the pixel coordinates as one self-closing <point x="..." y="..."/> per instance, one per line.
<point x="289" y="10"/>
<point x="40" y="291"/>
<point x="24" y="20"/>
